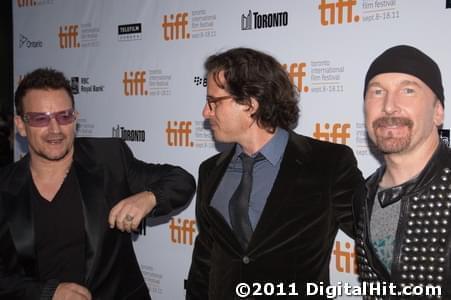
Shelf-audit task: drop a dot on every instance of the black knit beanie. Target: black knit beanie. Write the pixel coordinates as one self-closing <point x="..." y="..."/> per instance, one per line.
<point x="408" y="60"/>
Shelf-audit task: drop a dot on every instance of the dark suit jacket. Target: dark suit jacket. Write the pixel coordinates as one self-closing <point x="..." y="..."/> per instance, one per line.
<point x="310" y="199"/>
<point x="107" y="172"/>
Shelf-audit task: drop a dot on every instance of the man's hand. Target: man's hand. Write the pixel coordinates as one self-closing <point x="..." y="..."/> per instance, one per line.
<point x="127" y="214"/>
<point x="71" y="291"/>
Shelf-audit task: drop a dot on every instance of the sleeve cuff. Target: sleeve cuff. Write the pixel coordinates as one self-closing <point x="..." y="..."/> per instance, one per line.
<point x="49" y="288"/>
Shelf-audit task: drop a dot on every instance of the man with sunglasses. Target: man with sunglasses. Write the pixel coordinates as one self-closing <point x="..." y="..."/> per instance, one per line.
<point x="268" y="209"/>
<point x="67" y="208"/>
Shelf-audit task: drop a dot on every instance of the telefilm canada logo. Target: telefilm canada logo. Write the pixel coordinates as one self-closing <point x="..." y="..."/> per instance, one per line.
<point x="255" y="20"/>
<point x="129" y="32"/>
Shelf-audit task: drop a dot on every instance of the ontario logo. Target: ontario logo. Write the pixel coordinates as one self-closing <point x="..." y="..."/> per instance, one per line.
<point x="27" y="43"/>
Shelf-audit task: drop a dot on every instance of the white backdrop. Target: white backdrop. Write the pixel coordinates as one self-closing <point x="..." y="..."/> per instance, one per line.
<point x="137" y="70"/>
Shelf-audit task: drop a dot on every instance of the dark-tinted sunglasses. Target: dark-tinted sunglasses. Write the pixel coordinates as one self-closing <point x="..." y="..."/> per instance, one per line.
<point x="42" y="119"/>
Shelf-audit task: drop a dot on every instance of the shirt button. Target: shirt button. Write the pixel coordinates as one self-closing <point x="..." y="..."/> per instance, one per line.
<point x="246" y="260"/>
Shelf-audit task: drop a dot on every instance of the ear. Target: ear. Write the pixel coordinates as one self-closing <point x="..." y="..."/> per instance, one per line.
<point x="439" y="113"/>
<point x="253" y="107"/>
<point x="20" y="125"/>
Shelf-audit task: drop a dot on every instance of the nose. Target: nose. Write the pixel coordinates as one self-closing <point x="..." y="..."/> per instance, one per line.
<point x="390" y="104"/>
<point x="53" y="126"/>
<point x="206" y="111"/>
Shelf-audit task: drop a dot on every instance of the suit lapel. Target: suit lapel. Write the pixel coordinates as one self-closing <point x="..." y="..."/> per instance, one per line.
<point x="212" y="181"/>
<point x="216" y="174"/>
<point x="295" y="157"/>
<point x="94" y="205"/>
<point x="17" y="202"/>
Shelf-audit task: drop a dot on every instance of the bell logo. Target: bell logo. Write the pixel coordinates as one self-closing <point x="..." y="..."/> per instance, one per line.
<point x="25" y="3"/>
<point x="134" y="83"/>
<point x="175" y="27"/>
<point x="296" y="74"/>
<point x="348" y="255"/>
<point x="179" y="133"/>
<point x="182" y="231"/>
<point x="338" y="132"/>
<point x="68" y="36"/>
<point x="329" y="14"/>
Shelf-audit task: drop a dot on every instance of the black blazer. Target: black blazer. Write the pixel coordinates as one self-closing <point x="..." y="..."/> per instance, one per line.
<point x="107" y="172"/>
<point x="292" y="242"/>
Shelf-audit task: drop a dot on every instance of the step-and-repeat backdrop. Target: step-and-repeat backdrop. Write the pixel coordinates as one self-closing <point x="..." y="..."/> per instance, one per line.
<point x="136" y="69"/>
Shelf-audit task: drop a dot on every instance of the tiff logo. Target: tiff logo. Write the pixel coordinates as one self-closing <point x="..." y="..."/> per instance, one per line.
<point x="338" y="132"/>
<point x="296" y="74"/>
<point x="182" y="231"/>
<point x="175" y="30"/>
<point x="178" y="134"/>
<point x="332" y="10"/>
<point x="68" y="36"/>
<point x="134" y="83"/>
<point x="348" y="255"/>
<point x="25" y="3"/>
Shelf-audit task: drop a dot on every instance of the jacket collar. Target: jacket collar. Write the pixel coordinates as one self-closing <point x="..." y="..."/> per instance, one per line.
<point x="396" y="193"/>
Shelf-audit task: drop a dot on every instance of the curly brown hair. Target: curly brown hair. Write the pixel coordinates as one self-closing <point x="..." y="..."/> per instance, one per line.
<point x="41" y="79"/>
<point x="249" y="73"/>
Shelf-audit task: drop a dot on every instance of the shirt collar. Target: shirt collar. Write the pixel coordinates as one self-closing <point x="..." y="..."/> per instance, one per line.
<point x="272" y="150"/>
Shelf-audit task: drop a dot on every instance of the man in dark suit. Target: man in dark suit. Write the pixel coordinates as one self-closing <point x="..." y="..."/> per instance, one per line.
<point x="294" y="199"/>
<point x="67" y="208"/>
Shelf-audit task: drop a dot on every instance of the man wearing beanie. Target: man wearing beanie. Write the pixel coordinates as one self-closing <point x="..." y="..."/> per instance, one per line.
<point x="403" y="225"/>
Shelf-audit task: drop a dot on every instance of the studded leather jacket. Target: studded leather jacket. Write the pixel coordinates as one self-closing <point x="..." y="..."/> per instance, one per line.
<point x="422" y="249"/>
